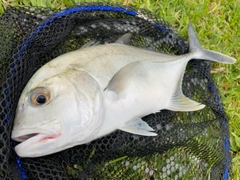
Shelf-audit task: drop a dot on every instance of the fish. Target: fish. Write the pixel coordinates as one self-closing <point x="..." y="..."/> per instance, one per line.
<point x="91" y="92"/>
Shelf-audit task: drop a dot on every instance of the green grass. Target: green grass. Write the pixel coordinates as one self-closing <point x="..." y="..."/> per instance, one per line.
<point x="217" y="25"/>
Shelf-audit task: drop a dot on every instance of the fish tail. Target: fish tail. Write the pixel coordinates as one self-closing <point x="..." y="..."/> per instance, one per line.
<point x="201" y="53"/>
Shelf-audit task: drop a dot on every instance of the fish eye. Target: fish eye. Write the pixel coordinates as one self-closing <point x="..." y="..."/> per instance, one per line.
<point x="41" y="99"/>
<point x="40" y="96"/>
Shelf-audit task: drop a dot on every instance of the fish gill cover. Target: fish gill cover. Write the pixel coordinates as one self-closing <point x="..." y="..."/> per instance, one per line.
<point x="189" y="145"/>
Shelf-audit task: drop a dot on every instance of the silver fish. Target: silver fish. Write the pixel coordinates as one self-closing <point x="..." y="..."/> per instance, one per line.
<point x="86" y="94"/>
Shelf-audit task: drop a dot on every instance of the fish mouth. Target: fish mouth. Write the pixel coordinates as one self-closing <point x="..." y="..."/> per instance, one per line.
<point x="39" y="135"/>
<point x="34" y="144"/>
<point x="35" y="141"/>
<point x="24" y="137"/>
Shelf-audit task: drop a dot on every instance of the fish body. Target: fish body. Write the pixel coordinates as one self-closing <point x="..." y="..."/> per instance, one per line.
<point x="85" y="94"/>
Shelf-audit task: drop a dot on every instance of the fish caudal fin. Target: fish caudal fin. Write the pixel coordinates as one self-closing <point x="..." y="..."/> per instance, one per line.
<point x="138" y="126"/>
<point x="179" y="102"/>
<point x="200" y="53"/>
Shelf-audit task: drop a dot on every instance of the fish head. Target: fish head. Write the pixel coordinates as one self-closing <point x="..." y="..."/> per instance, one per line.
<point x="58" y="113"/>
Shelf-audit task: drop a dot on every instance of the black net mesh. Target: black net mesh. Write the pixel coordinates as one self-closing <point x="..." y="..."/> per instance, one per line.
<point x="189" y="145"/>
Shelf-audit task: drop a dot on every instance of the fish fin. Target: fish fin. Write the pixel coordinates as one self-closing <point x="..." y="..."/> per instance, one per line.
<point x="120" y="80"/>
<point x="125" y="39"/>
<point x="138" y="126"/>
<point x="179" y="102"/>
<point x="93" y="42"/>
<point x="200" y="53"/>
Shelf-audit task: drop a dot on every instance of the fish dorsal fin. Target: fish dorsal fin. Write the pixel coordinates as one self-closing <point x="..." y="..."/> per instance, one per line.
<point x="179" y="102"/>
<point x="138" y="126"/>
<point x="93" y="42"/>
<point x="125" y="39"/>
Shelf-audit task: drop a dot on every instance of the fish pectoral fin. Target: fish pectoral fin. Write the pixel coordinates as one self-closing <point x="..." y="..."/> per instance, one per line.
<point x="138" y="126"/>
<point x="179" y="102"/>
<point x="122" y="80"/>
<point x="125" y="39"/>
